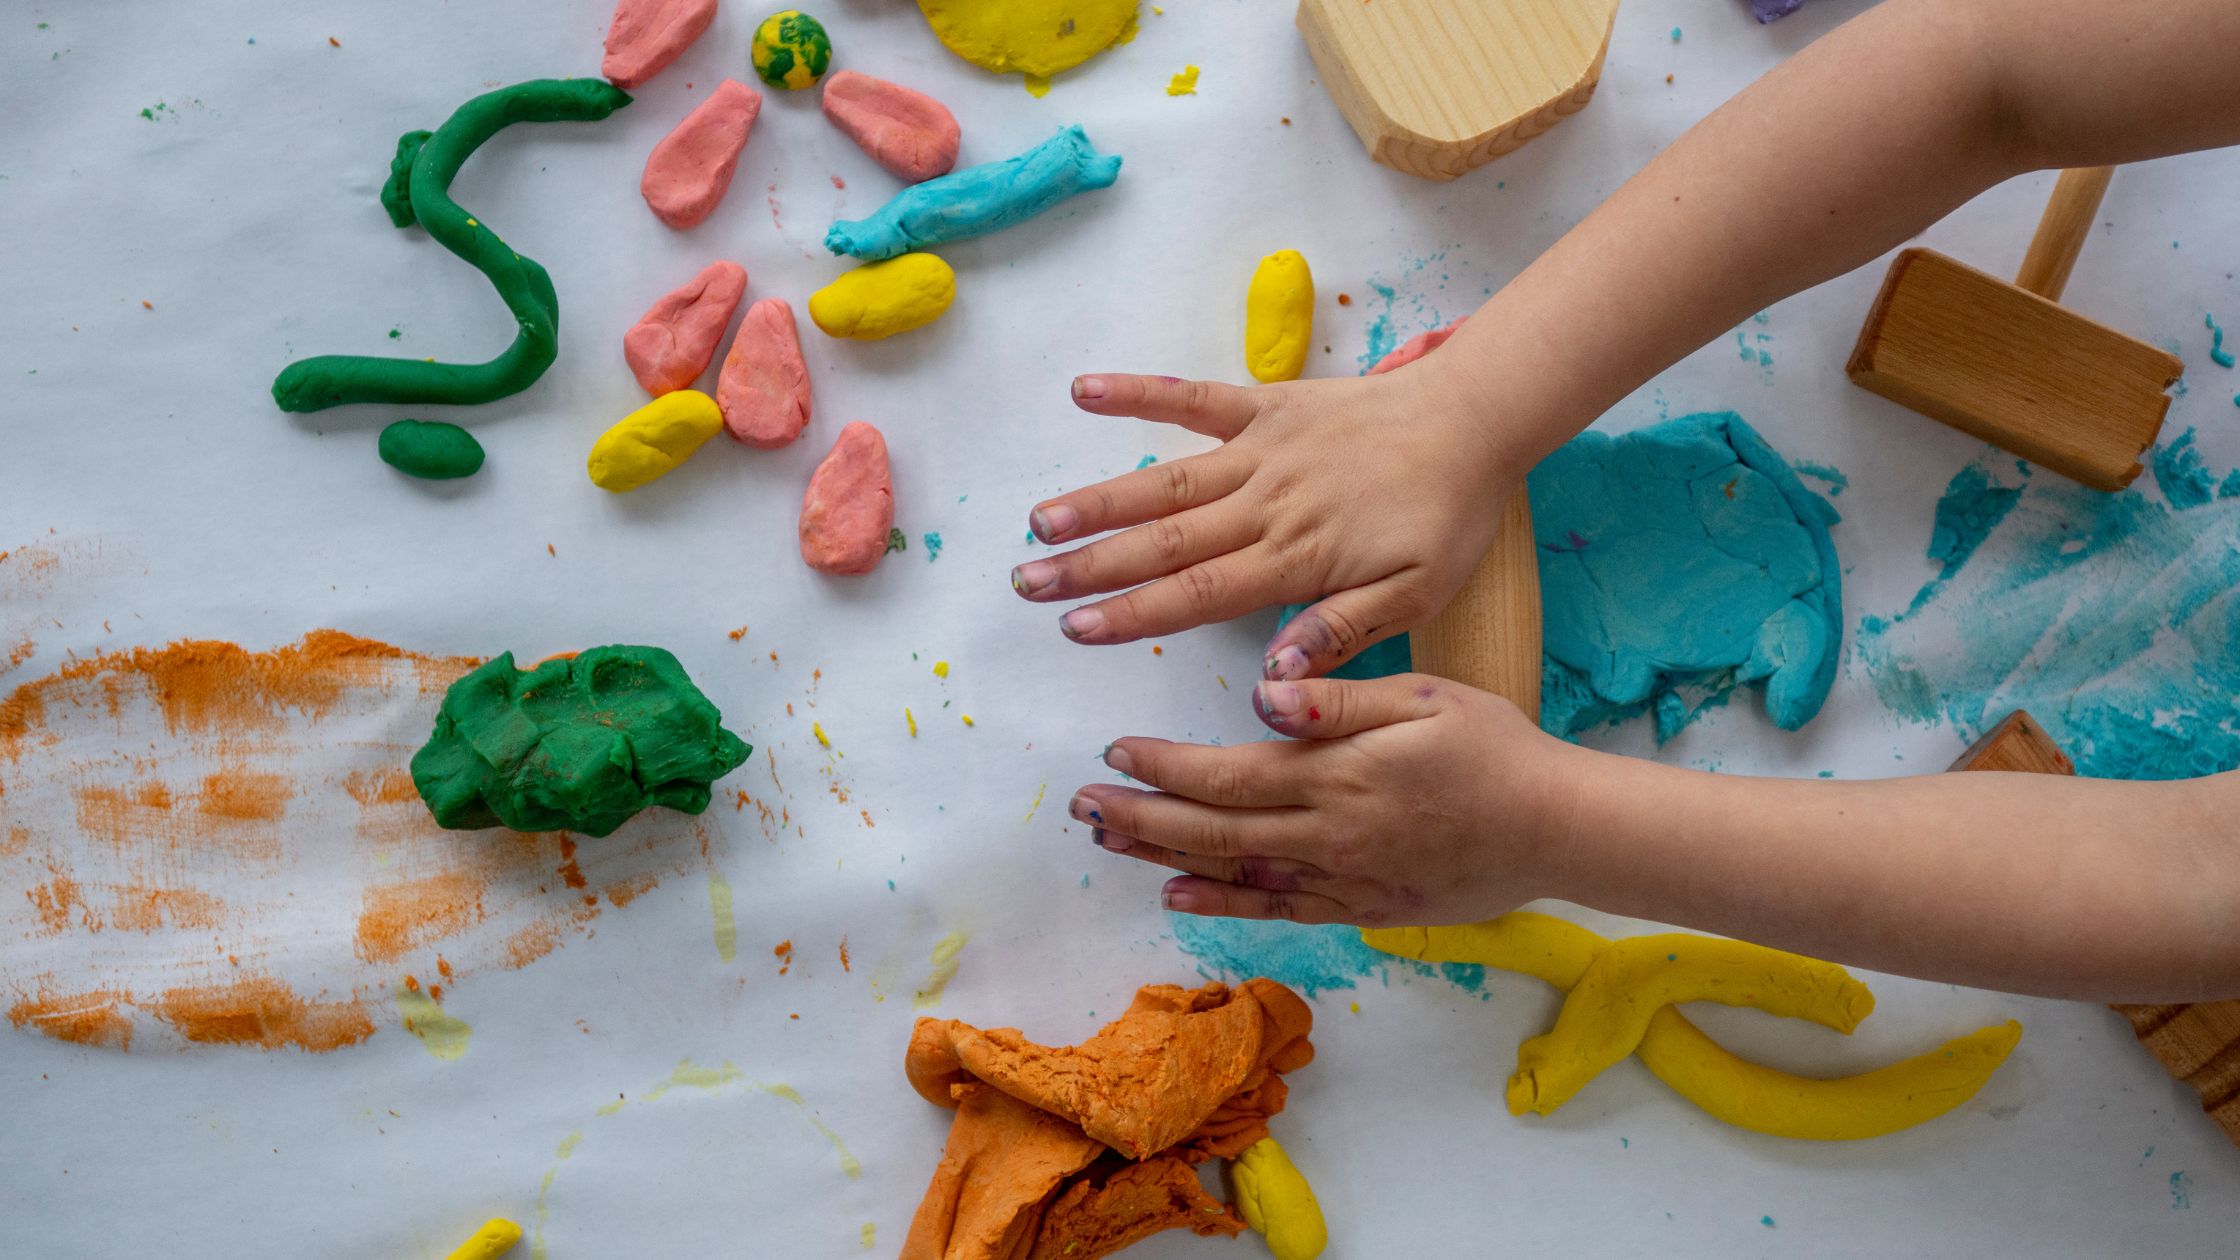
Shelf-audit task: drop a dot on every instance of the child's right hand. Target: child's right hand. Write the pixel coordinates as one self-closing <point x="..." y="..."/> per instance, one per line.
<point x="1375" y="496"/>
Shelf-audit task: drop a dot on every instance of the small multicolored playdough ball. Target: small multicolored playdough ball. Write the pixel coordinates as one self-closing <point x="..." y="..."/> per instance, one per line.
<point x="1278" y="317"/>
<point x="847" y="512"/>
<point x="884" y="298"/>
<point x="791" y="50"/>
<point x="653" y="441"/>
<point x="430" y="449"/>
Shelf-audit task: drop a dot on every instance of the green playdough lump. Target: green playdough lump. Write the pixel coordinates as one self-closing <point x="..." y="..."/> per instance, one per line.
<point x="418" y="190"/>
<point x="430" y="449"/>
<point x="581" y="744"/>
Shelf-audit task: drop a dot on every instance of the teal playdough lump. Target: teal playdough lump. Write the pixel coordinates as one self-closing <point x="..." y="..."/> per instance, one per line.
<point x="430" y="449"/>
<point x="580" y="744"/>
<point x="1681" y="557"/>
<point x="978" y="200"/>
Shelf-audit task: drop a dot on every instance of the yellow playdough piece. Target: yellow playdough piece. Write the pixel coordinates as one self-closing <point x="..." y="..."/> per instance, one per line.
<point x="496" y="1237"/>
<point x="1278" y="317"/>
<point x="1037" y="38"/>
<point x="1608" y="1011"/>
<point x="884" y="298"/>
<point x="654" y="440"/>
<point x="1735" y="1090"/>
<point x="1276" y="1201"/>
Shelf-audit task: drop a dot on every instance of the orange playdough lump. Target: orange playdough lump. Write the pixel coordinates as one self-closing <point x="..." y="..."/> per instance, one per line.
<point x="1079" y="1151"/>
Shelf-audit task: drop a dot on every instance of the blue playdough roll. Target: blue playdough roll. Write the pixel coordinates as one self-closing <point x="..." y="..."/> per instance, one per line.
<point x="978" y="200"/>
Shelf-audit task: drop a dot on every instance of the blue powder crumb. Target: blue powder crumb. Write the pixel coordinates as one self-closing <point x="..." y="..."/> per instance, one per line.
<point x="1837" y="482"/>
<point x="890" y="885"/>
<point x="1827" y="774"/>
<point x="2181" y="1192"/>
<point x="2183" y="477"/>
<point x="1382" y="339"/>
<point x="2217" y="353"/>
<point x="1766" y="1221"/>
<point x="1084" y="881"/>
<point x="1675" y="34"/>
<point x="932" y="541"/>
<point x="1146" y="462"/>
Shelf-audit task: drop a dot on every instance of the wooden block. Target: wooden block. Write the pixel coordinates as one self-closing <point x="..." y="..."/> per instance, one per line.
<point x="1435" y="88"/>
<point x="2196" y="1042"/>
<point x="1489" y="635"/>
<point x="2014" y="369"/>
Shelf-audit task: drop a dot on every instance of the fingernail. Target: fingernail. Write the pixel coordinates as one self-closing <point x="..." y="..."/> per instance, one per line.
<point x="1034" y="577"/>
<point x="1111" y="843"/>
<point x="1285" y="663"/>
<point x="1081" y="623"/>
<point x="1117" y="758"/>
<point x="1088" y="388"/>
<point x="1279" y="702"/>
<point x="1180" y="899"/>
<point x="1084" y="808"/>
<point x="1054" y="522"/>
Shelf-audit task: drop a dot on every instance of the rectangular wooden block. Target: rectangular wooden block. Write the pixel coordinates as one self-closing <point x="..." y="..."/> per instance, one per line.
<point x="2025" y="374"/>
<point x="2196" y="1042"/>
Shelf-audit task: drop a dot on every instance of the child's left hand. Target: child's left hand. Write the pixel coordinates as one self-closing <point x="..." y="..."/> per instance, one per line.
<point x="1403" y="800"/>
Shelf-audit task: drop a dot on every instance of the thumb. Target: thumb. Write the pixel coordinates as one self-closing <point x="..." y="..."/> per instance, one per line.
<point x="1328" y="708"/>
<point x="1326" y="635"/>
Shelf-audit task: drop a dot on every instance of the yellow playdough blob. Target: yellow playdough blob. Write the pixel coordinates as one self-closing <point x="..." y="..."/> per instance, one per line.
<point x="1033" y="37"/>
<point x="496" y="1237"/>
<point x="654" y="440"/>
<point x="883" y="298"/>
<point x="1277" y="1202"/>
<point x="1278" y="317"/>
<point x="1730" y="1088"/>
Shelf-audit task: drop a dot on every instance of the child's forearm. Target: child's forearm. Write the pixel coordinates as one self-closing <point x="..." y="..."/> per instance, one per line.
<point x="2079" y="888"/>
<point x="1853" y="145"/>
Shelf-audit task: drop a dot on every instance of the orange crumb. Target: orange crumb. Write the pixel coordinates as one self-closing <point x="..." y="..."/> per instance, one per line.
<point x="1156" y="650"/>
<point x="1345" y="299"/>
<point x="435" y="993"/>
<point x="1286" y="122"/>
<point x="867" y="818"/>
<point x="443" y="966"/>
<point x="738" y="634"/>
<point x="147" y="305"/>
<point x="333" y="42"/>
<point x="411" y="985"/>
<point x="783" y="952"/>
<point x="795" y="1015"/>
<point x="1668" y="78"/>
<point x="844" y="955"/>
<point x="550" y="552"/>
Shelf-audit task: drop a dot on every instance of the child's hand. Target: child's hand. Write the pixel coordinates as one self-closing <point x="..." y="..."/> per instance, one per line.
<point x="1380" y="493"/>
<point x="1404" y="800"/>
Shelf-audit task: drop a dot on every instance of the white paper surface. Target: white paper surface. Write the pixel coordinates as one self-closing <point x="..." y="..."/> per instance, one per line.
<point x="143" y="453"/>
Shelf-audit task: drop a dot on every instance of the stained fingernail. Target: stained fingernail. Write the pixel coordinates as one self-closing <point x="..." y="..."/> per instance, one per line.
<point x="1279" y="702"/>
<point x="1117" y="758"/>
<point x="1034" y="577"/>
<point x="1084" y="808"/>
<point x="1053" y="522"/>
<point x="1081" y="623"/>
<point x="1285" y="663"/>
<point x="1112" y="843"/>
<point x="1089" y="388"/>
<point x="1179" y="899"/>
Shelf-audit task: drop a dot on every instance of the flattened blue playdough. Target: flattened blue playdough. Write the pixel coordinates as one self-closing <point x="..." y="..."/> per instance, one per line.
<point x="1677" y="562"/>
<point x="1684" y="555"/>
<point x="979" y="199"/>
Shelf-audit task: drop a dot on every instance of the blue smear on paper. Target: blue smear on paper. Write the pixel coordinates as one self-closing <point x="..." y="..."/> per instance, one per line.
<point x="2181" y="1192"/>
<point x="1146" y="462"/>
<point x="2217" y="353"/>
<point x="1309" y="958"/>
<point x="977" y="200"/>
<point x="2112" y="618"/>
<point x="1837" y="482"/>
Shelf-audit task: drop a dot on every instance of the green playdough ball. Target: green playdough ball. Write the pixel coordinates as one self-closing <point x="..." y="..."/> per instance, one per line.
<point x="430" y="449"/>
<point x="575" y="744"/>
<point x="791" y="50"/>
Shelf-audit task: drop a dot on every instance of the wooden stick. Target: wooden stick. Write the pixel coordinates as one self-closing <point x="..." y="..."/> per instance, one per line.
<point x="2196" y="1042"/>
<point x="2061" y="231"/>
<point x="1489" y="636"/>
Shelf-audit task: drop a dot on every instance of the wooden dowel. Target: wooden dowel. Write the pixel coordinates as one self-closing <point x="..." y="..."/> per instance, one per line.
<point x="2062" y="229"/>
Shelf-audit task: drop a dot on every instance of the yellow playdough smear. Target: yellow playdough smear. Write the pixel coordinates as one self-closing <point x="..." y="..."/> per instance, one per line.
<point x="944" y="970"/>
<point x="1032" y="37"/>
<point x="444" y="1035"/>
<point x="719" y="904"/>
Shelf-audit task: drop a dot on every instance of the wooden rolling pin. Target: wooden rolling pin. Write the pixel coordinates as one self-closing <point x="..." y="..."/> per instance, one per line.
<point x="1489" y="635"/>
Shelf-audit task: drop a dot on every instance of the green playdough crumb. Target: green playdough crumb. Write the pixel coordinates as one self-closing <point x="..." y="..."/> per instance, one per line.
<point x="580" y="744"/>
<point x="430" y="449"/>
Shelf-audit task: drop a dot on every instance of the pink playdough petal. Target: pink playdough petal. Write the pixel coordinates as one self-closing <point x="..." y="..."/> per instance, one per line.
<point x="849" y="506"/>
<point x="688" y="172"/>
<point x="673" y="343"/>
<point x="764" y="389"/>
<point x="646" y="35"/>
<point x="1416" y="347"/>
<point x="911" y="134"/>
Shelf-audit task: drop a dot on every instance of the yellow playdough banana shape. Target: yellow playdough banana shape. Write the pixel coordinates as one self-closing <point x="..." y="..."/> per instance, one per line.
<point x="881" y="299"/>
<point x="1744" y="1094"/>
<point x="1278" y="317"/>
<point x="1278" y="1203"/>
<point x="653" y="441"/>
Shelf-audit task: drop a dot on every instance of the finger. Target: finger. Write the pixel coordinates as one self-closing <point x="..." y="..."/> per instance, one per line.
<point x="1247" y="776"/>
<point x="1326" y="708"/>
<point x="1273" y="874"/>
<point x="1195" y="894"/>
<point x="1216" y="590"/>
<point x="1174" y="822"/>
<point x="1210" y="407"/>
<point x="1328" y="634"/>
<point x="1153" y="550"/>
<point x="1133" y="498"/>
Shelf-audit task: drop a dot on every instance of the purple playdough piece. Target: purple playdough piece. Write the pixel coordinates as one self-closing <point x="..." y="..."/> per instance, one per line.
<point x="1768" y="10"/>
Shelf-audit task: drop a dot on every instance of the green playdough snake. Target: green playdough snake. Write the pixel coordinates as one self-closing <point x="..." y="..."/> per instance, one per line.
<point x="419" y="191"/>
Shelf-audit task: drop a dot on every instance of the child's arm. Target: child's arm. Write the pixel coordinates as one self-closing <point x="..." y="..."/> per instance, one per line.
<point x="1376" y="496"/>
<point x="1411" y="800"/>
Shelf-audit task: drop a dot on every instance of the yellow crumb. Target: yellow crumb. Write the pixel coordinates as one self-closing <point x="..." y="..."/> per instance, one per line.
<point x="941" y="669"/>
<point x="1184" y="84"/>
<point x="967" y="719"/>
<point x="817" y="729"/>
<point x="907" y="716"/>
